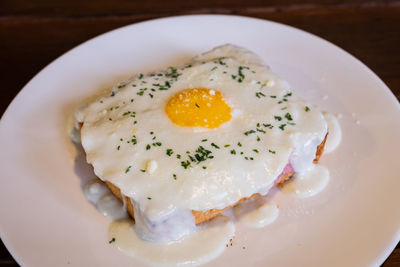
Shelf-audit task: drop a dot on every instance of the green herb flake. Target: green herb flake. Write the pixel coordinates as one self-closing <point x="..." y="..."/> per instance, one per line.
<point x="142" y="170"/>
<point x="118" y="147"/>
<point x="174" y="176"/>
<point x="287" y="95"/>
<point x="214" y="68"/>
<point x="204" y="167"/>
<point x="197" y="105"/>
<point x="112" y="240"/>
<point x="271" y="151"/>
<point x="227" y="145"/>
<point x="185" y="164"/>
<point x="288" y="117"/>
<point x="128" y="169"/>
<point x="259" y="94"/>
<point x="307" y="109"/>
<point x="214" y="145"/>
<point x="282" y="126"/>
<point x="148" y="147"/>
<point x="169" y="152"/>
<point x="233" y="152"/>
<point x="204" y="140"/>
<point x="239" y="144"/>
<point x="149" y="198"/>
<point x="249" y="132"/>
<point x="255" y="150"/>
<point x="278" y="118"/>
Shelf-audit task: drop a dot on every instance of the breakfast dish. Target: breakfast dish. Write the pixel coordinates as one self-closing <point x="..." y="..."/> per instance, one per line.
<point x="45" y="176"/>
<point x="182" y="145"/>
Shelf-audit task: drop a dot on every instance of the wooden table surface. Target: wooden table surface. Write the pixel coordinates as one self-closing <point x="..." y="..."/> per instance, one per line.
<point x="33" y="33"/>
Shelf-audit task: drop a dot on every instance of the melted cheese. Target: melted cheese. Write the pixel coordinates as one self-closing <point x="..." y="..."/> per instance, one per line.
<point x="308" y="183"/>
<point x="168" y="170"/>
<point x="205" y="244"/>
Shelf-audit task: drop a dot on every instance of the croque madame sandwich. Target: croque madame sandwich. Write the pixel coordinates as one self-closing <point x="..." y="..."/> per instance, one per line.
<point x="179" y="146"/>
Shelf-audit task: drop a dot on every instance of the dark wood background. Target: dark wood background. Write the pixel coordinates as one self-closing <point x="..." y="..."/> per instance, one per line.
<point x="33" y="33"/>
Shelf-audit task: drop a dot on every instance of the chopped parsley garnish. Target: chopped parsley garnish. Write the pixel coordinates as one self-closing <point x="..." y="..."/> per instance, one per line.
<point x="255" y="150"/>
<point x="112" y="93"/>
<point x="288" y="117"/>
<point x="239" y="144"/>
<point x="172" y="73"/>
<point x="169" y="152"/>
<point x="214" y="68"/>
<point x="287" y="95"/>
<point x="307" y="109"/>
<point x="214" y="145"/>
<point x="128" y="169"/>
<point x="118" y="147"/>
<point x="148" y="147"/>
<point x="278" y="118"/>
<point x="149" y="198"/>
<point x="197" y="105"/>
<point x="282" y="126"/>
<point x="227" y="145"/>
<point x="204" y="167"/>
<point x="272" y="96"/>
<point x="112" y="240"/>
<point x="233" y="152"/>
<point x="142" y="170"/>
<point x="249" y="132"/>
<point x="204" y="140"/>
<point x="259" y="94"/>
<point x="185" y="164"/>
<point x="174" y="175"/>
<point x="141" y="76"/>
<point x="271" y="151"/>
<point x="270" y="126"/>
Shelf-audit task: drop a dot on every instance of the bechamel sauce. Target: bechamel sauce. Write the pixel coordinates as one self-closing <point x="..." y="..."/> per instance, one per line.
<point x="308" y="183"/>
<point x="335" y="133"/>
<point x="255" y="215"/>
<point x="99" y="194"/>
<point x="203" y="245"/>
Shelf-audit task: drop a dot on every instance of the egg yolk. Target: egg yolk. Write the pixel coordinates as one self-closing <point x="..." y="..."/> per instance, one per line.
<point x="199" y="107"/>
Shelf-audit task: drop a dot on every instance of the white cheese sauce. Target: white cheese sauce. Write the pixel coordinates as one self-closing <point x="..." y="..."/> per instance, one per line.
<point x="205" y="244"/>
<point x="256" y="215"/>
<point x="109" y="205"/>
<point x="308" y="183"/>
<point x="335" y="133"/>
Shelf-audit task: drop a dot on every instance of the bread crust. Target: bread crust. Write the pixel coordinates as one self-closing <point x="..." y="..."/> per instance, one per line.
<point x="203" y="216"/>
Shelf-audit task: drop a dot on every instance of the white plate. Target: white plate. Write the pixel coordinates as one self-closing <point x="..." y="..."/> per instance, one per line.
<point x="46" y="220"/>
